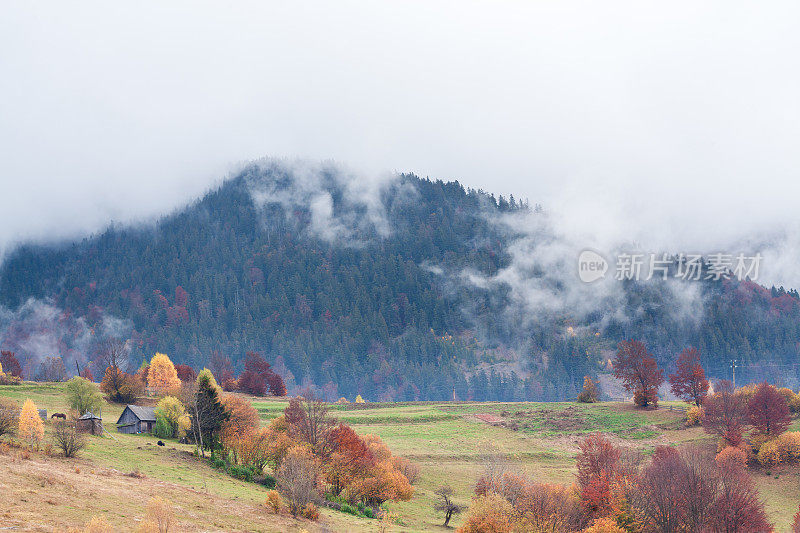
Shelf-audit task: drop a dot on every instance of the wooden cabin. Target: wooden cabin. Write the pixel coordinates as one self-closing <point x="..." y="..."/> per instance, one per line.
<point x="90" y="423"/>
<point x="137" y="419"/>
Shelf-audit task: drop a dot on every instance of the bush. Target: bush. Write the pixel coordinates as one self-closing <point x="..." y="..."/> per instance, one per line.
<point x="163" y="428"/>
<point x="159" y="512"/>
<point x="266" y="481"/>
<point x="9" y="412"/>
<point x="67" y="439"/>
<point x="244" y="473"/>
<point x="274" y="501"/>
<point x="783" y="449"/>
<point x="694" y="416"/>
<point x="590" y="393"/>
<point x="491" y="512"/>
<point x="731" y="456"/>
<point x="310" y="512"/>
<point x="794" y="404"/>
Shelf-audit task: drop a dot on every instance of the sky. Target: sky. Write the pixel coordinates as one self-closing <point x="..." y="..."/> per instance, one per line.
<point x="673" y="125"/>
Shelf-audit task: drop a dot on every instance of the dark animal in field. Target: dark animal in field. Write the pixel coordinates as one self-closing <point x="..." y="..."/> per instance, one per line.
<point x="160" y="443"/>
<point x="59" y="415"/>
<point x="184" y="440"/>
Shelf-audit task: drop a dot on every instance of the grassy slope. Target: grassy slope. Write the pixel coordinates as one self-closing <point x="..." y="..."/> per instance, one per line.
<point x="445" y="439"/>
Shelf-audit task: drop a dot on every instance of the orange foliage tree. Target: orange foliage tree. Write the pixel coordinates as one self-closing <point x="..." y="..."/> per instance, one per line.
<point x="239" y="429"/>
<point x="30" y="427"/>
<point x="162" y="378"/>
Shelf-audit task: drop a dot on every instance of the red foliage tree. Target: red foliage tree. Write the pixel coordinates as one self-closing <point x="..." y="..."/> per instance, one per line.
<point x="737" y="508"/>
<point x="186" y="373"/>
<point x="769" y="411"/>
<point x="725" y="414"/>
<point x="258" y="376"/>
<point x="600" y="473"/>
<point x="638" y="371"/>
<point x="252" y="383"/>
<point x="10" y="363"/>
<point x="689" y="381"/>
<point x="796" y="522"/>
<point x="86" y="373"/>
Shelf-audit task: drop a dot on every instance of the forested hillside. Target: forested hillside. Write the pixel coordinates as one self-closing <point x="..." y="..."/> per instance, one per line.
<point x="358" y="291"/>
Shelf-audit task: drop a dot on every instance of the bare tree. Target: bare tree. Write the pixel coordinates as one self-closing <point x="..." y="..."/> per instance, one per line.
<point x="297" y="478"/>
<point x="68" y="439"/>
<point x="446" y="504"/>
<point x="309" y="420"/>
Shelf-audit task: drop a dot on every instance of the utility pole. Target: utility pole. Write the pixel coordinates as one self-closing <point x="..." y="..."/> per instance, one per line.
<point x="733" y="372"/>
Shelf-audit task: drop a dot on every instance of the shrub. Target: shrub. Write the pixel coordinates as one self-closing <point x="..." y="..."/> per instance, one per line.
<point x="98" y="524"/>
<point x="694" y="416"/>
<point x="796" y="522"/>
<point x="68" y="439"/>
<point x="489" y="513"/>
<point x="310" y="512"/>
<point x="783" y="449"/>
<point x="274" y="501"/>
<point x="159" y="511"/>
<point x="731" y="456"/>
<point x="589" y="394"/>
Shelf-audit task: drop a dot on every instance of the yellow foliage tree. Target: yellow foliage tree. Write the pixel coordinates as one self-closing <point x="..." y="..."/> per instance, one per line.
<point x="31" y="427"/>
<point x="359" y="399"/>
<point x="172" y="411"/>
<point x="162" y="377"/>
<point x="1" y="370"/>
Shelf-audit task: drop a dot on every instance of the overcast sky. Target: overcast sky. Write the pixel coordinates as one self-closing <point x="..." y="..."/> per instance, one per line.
<point x="671" y="122"/>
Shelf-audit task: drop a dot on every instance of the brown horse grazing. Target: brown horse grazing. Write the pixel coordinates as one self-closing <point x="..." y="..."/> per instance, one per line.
<point x="59" y="415"/>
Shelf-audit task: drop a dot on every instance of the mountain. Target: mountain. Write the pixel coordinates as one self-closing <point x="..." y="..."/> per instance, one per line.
<point x="398" y="290"/>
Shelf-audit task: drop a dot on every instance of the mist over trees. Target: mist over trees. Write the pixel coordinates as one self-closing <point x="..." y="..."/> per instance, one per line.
<point x="365" y="296"/>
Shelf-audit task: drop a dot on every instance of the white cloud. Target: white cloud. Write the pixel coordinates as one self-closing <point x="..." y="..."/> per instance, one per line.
<point x="673" y="125"/>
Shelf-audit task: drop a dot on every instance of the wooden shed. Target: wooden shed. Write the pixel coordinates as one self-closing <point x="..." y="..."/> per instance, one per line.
<point x="90" y="423"/>
<point x="137" y="419"/>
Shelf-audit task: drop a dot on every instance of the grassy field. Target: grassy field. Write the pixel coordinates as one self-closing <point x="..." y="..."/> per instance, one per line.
<point x="447" y="440"/>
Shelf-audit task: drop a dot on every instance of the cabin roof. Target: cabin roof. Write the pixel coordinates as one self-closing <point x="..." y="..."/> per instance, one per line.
<point x="89" y="416"/>
<point x="145" y="414"/>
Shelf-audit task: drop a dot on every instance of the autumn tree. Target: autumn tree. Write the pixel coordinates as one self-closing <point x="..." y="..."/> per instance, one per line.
<point x="602" y="475"/>
<point x="186" y="373"/>
<point x="242" y="421"/>
<point x="725" y="414"/>
<point x="171" y="418"/>
<point x="258" y="376"/>
<point x="737" y="507"/>
<point x="638" y="371"/>
<point x="590" y="393"/>
<point x="8" y="417"/>
<point x="162" y="377"/>
<point x="445" y="503"/>
<point x="83" y="396"/>
<point x="298" y="479"/>
<point x="87" y="374"/>
<point x="31" y="427"/>
<point x="10" y="363"/>
<point x="768" y="411"/>
<point x="796" y="522"/>
<point x="689" y="380"/>
<point x="120" y="386"/>
<point x="309" y="421"/>
<point x="489" y="513"/>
